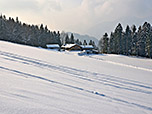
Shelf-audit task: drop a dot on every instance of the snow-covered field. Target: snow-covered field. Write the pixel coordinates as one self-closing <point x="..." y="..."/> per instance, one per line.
<point x="40" y="81"/>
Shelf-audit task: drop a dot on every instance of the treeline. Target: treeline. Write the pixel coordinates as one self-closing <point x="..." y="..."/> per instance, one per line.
<point x="22" y="33"/>
<point x="13" y="30"/>
<point x="132" y="41"/>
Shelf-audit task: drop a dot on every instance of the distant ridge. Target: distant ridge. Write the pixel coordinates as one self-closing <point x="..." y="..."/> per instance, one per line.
<point x="84" y="37"/>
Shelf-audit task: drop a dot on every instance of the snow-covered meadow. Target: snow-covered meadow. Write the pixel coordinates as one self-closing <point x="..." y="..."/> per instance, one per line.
<point x="40" y="81"/>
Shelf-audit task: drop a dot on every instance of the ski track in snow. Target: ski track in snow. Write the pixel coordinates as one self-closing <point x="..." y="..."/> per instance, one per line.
<point x="121" y="64"/>
<point x="74" y="87"/>
<point x="112" y="81"/>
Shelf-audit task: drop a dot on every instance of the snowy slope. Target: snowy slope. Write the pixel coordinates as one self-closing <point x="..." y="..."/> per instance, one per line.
<point x="39" y="81"/>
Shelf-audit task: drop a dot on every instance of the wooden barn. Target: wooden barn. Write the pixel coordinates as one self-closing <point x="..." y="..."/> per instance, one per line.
<point x="72" y="47"/>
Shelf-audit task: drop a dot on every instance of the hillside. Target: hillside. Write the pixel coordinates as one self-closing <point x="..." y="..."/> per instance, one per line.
<point x="40" y="81"/>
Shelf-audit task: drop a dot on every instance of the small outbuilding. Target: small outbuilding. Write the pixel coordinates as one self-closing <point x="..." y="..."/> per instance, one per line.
<point x="87" y="47"/>
<point x="53" y="46"/>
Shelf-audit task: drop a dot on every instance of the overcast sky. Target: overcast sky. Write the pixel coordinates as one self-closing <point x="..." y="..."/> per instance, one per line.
<point x="92" y="17"/>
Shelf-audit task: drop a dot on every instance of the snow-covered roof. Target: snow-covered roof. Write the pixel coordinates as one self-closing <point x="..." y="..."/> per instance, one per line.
<point x="69" y="45"/>
<point x="83" y="46"/>
<point x="87" y="46"/>
<point x="52" y="46"/>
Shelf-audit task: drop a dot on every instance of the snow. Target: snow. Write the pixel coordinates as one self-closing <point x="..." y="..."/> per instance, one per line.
<point x="52" y="46"/>
<point x="71" y="45"/>
<point x="40" y="81"/>
<point x="68" y="45"/>
<point x="87" y="46"/>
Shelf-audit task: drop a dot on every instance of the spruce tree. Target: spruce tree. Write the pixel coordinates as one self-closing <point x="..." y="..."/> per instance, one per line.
<point x="128" y="40"/>
<point x="72" y="38"/>
<point x="17" y="20"/>
<point x="148" y="39"/>
<point x="150" y="43"/>
<point x="134" y="40"/>
<point x="78" y="42"/>
<point x="103" y="44"/>
<point x="124" y="42"/>
<point x="67" y="40"/>
<point x="118" y="39"/>
<point x="111" y="43"/>
<point x="90" y="42"/>
<point x="142" y="40"/>
<point x="84" y="42"/>
<point x="3" y="29"/>
<point x="138" y="40"/>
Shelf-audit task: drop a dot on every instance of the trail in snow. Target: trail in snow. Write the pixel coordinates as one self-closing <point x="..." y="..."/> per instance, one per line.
<point x="74" y="87"/>
<point x="104" y="79"/>
<point x="108" y="80"/>
<point x="121" y="64"/>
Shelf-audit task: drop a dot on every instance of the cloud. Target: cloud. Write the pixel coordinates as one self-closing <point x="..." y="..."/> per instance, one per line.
<point x="50" y="5"/>
<point x="114" y="9"/>
<point x="30" y="5"/>
<point x="15" y="5"/>
<point x="83" y="16"/>
<point x="99" y="12"/>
